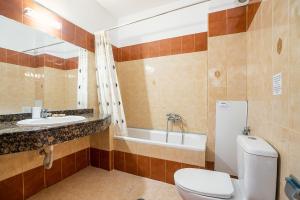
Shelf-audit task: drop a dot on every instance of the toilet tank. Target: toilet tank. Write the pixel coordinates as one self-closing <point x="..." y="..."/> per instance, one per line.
<point x="257" y="168"/>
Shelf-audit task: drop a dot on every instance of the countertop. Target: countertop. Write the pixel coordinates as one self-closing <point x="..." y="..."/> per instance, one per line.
<point x="14" y="138"/>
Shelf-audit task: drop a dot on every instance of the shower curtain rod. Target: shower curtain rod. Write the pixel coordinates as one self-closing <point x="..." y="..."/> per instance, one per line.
<point x="154" y="16"/>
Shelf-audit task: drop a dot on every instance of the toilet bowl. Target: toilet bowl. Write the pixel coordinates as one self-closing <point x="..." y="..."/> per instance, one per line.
<point x="257" y="170"/>
<point x="199" y="184"/>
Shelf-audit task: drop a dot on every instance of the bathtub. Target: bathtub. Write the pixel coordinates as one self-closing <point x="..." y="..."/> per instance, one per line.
<point x="152" y="143"/>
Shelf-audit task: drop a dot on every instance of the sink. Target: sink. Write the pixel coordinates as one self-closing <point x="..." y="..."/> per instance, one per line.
<point x="50" y="121"/>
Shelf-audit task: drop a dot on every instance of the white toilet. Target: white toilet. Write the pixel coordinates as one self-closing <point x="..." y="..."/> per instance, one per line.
<point x="257" y="172"/>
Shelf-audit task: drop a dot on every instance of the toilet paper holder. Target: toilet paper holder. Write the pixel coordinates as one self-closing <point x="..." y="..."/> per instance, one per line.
<point x="292" y="188"/>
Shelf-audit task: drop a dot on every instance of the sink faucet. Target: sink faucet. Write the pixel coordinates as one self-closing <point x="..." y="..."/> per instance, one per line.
<point x="44" y="113"/>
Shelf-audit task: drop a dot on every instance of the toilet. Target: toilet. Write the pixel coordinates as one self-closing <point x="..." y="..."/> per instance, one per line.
<point x="257" y="172"/>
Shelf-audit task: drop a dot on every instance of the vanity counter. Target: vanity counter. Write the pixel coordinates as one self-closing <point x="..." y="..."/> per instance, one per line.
<point x="14" y="138"/>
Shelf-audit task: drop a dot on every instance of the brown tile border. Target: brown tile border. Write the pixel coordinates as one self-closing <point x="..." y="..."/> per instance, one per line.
<point x="13" y="9"/>
<point x="28" y="183"/>
<point x="34" y="181"/>
<point x="154" y="168"/>
<point x="53" y="175"/>
<point x="43" y="60"/>
<point x="171" y="46"/>
<point x="12" y="188"/>
<point x="230" y="21"/>
<point x="102" y="159"/>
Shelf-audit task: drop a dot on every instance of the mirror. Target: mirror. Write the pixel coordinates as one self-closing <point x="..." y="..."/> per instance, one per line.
<point x="37" y="70"/>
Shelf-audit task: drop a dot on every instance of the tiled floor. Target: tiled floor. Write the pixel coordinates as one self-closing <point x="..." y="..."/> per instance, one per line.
<point x="96" y="184"/>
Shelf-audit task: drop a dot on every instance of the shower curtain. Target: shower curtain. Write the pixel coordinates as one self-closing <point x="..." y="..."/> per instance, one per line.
<point x="82" y="81"/>
<point x="109" y="96"/>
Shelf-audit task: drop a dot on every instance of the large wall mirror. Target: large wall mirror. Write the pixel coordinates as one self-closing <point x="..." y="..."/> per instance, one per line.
<point x="38" y="70"/>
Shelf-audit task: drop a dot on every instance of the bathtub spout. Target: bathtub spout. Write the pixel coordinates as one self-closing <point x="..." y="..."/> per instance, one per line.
<point x="174" y="118"/>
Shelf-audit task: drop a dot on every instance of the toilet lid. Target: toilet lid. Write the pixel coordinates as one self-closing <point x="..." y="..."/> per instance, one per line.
<point x="205" y="182"/>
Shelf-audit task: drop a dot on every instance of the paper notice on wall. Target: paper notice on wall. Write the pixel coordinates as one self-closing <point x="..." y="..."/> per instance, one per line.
<point x="277" y="84"/>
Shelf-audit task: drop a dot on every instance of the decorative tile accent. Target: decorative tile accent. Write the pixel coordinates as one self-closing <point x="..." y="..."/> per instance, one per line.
<point x="105" y="160"/>
<point x="171" y="168"/>
<point x="81" y="159"/>
<point x="12" y="188"/>
<point x="119" y="160"/>
<point x="12" y="57"/>
<point x="90" y="42"/>
<point x="171" y="46"/>
<point x="12" y="9"/>
<point x="158" y="169"/>
<point x="235" y="20"/>
<point x="68" y="31"/>
<point x="131" y="163"/>
<point x="33" y="181"/>
<point x="53" y="175"/>
<point x="68" y="165"/>
<point x="188" y="44"/>
<point x="144" y="166"/>
<point x="80" y="37"/>
<point x="201" y="41"/>
<point x="154" y="168"/>
<point x="217" y="24"/>
<point x="95" y="157"/>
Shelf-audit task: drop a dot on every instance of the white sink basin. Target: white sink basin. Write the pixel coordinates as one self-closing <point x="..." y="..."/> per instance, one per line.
<point x="50" y="121"/>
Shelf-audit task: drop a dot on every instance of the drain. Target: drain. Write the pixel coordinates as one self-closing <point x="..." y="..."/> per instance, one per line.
<point x="140" y="199"/>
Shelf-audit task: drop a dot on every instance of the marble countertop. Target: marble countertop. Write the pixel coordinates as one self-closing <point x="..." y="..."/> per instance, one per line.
<point x="14" y="138"/>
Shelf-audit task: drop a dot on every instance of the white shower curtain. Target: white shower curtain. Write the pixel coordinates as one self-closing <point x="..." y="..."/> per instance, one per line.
<point x="82" y="82"/>
<point x="109" y="95"/>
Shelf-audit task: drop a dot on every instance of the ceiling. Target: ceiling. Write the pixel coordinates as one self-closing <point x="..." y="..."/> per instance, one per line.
<point x="128" y="7"/>
<point x="95" y="15"/>
<point x="87" y="14"/>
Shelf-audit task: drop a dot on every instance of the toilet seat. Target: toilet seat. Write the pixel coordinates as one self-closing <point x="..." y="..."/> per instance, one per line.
<point x="204" y="182"/>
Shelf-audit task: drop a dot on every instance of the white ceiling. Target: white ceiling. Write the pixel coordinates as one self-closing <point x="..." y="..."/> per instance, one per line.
<point x="95" y="15"/>
<point x="128" y="7"/>
<point x="88" y="14"/>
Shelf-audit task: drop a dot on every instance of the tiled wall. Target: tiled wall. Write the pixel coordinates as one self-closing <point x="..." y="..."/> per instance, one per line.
<point x="22" y="174"/>
<point x="13" y="9"/>
<point x="149" y="167"/>
<point x="187" y="74"/>
<point x="162" y="85"/>
<point x="172" y="46"/>
<point x="227" y="70"/>
<point x="276" y="118"/>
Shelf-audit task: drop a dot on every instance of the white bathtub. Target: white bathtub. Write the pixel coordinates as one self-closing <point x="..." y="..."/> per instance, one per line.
<point x="191" y="141"/>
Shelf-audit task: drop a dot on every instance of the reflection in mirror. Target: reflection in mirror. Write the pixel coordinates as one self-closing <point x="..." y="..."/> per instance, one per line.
<point x="39" y="70"/>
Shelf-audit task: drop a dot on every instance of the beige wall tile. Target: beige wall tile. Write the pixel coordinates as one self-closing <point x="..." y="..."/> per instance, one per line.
<point x="151" y="88"/>
<point x="227" y="71"/>
<point x="11" y="165"/>
<point x="276" y="118"/>
<point x="103" y="140"/>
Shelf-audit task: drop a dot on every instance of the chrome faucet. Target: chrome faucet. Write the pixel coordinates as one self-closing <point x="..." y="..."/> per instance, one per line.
<point x="246" y="130"/>
<point x="174" y="118"/>
<point x="44" y="113"/>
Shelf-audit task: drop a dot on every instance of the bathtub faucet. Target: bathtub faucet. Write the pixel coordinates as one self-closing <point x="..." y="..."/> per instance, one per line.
<point x="174" y="118"/>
